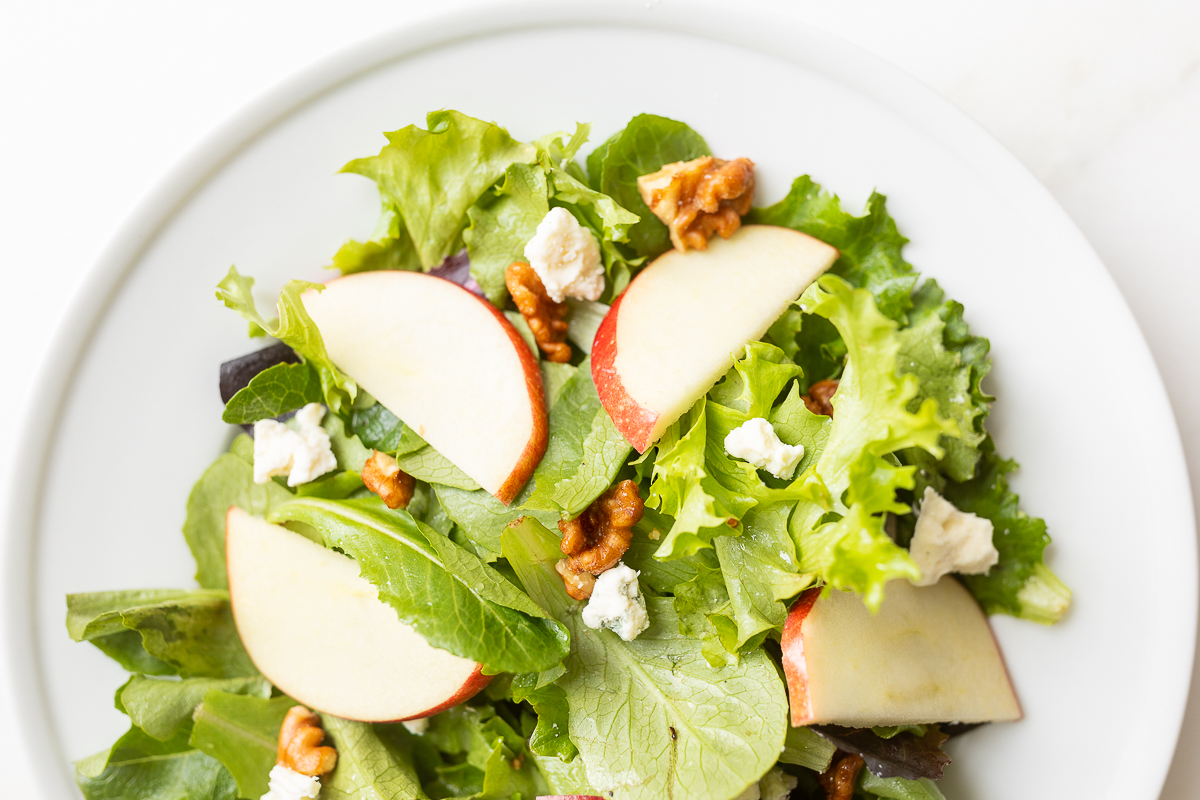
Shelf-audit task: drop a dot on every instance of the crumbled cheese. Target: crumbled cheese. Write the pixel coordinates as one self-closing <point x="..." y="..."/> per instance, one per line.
<point x="617" y="604"/>
<point x="287" y="784"/>
<point x="756" y="441"/>
<point x="302" y="454"/>
<point x="948" y="540"/>
<point x="417" y="726"/>
<point x="565" y="255"/>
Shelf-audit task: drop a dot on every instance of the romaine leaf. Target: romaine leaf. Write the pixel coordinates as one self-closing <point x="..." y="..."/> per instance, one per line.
<point x="187" y="632"/>
<point x="274" y="391"/>
<point x="229" y="481"/>
<point x="651" y="717"/>
<point x="645" y="145"/>
<point x="433" y="176"/>
<point x="295" y="329"/>
<point x="162" y="708"/>
<point x="243" y="734"/>
<point x="1020" y="584"/>
<point x="502" y="223"/>
<point x="367" y="768"/>
<point x="584" y="453"/>
<point x="140" y="767"/>
<point x="449" y="595"/>
<point x="869" y="245"/>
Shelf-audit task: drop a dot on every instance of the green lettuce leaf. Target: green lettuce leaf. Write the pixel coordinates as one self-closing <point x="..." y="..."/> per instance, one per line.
<point x="502" y="223"/>
<point x="229" y="481"/>
<point x="481" y="517"/>
<point x="274" y="391"/>
<point x="487" y="756"/>
<point x="869" y="245"/>
<point x="1020" y="584"/>
<point x="162" y="631"/>
<point x="651" y="717"/>
<point x="433" y="176"/>
<point x="242" y="733"/>
<point x="379" y="429"/>
<point x="950" y="364"/>
<point x="871" y="417"/>
<point x="805" y="748"/>
<point x="162" y="708"/>
<point x="295" y="329"/>
<point x="899" y="788"/>
<point x="368" y="767"/>
<point x="584" y="453"/>
<point x="702" y="605"/>
<point x="449" y="595"/>
<point x="550" y="737"/>
<point x="140" y="767"/>
<point x="389" y="247"/>
<point x="645" y="145"/>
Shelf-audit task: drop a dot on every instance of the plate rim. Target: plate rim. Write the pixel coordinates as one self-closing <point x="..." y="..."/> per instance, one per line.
<point x="747" y="26"/>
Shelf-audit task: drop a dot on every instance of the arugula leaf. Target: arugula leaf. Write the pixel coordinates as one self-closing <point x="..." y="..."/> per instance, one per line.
<point x="274" y="391"/>
<point x="433" y="176"/>
<point x="295" y="329"/>
<point x="869" y="245"/>
<point x="651" y="717"/>
<point x="389" y="247"/>
<point x="229" y="481"/>
<point x="1020" y="584"/>
<point x="243" y="734"/>
<point x="368" y="769"/>
<point x="140" y="767"/>
<point x="584" y="453"/>
<point x="502" y="223"/>
<point x="645" y="145"/>
<point x="449" y="595"/>
<point x="871" y="417"/>
<point x="187" y="632"/>
<point x="162" y="708"/>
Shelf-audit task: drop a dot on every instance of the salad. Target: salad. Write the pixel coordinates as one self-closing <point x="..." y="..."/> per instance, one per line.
<point x="586" y="478"/>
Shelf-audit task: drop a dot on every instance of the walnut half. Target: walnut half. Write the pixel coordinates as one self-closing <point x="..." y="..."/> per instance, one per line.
<point x="383" y="476"/>
<point x="299" y="740"/>
<point x="545" y="317"/>
<point x="596" y="539"/>
<point x="838" y="781"/>
<point x="819" y="399"/>
<point x="698" y="198"/>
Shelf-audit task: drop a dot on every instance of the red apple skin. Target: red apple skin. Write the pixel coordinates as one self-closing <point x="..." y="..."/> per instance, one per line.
<point x="633" y="420"/>
<point x="473" y="685"/>
<point x="536" y="447"/>
<point x="795" y="670"/>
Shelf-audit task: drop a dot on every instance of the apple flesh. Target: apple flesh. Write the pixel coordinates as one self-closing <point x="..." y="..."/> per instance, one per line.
<point x="678" y="326"/>
<point x="928" y="655"/>
<point x="444" y="361"/>
<point x="318" y="630"/>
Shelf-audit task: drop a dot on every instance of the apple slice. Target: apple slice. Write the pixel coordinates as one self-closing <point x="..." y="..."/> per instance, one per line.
<point x="928" y="656"/>
<point x="318" y="630"/>
<point x="677" y="328"/>
<point x="444" y="361"/>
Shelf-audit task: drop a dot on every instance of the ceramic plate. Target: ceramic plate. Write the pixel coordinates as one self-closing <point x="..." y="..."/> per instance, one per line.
<point x="130" y="413"/>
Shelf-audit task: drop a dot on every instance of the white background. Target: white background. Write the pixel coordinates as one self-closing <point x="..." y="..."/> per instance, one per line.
<point x="1100" y="99"/>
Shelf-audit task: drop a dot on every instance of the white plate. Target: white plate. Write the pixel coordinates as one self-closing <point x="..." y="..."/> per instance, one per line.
<point x="131" y="415"/>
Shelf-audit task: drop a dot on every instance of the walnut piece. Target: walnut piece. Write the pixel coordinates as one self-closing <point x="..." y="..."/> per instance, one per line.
<point x="819" y="396"/>
<point x="544" y="317"/>
<point x="838" y="781"/>
<point x="698" y="198"/>
<point x="597" y="538"/>
<point x="383" y="476"/>
<point x="299" y="740"/>
<point x="579" y="584"/>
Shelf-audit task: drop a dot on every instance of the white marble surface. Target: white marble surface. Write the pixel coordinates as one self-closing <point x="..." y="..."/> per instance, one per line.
<point x="1100" y="99"/>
